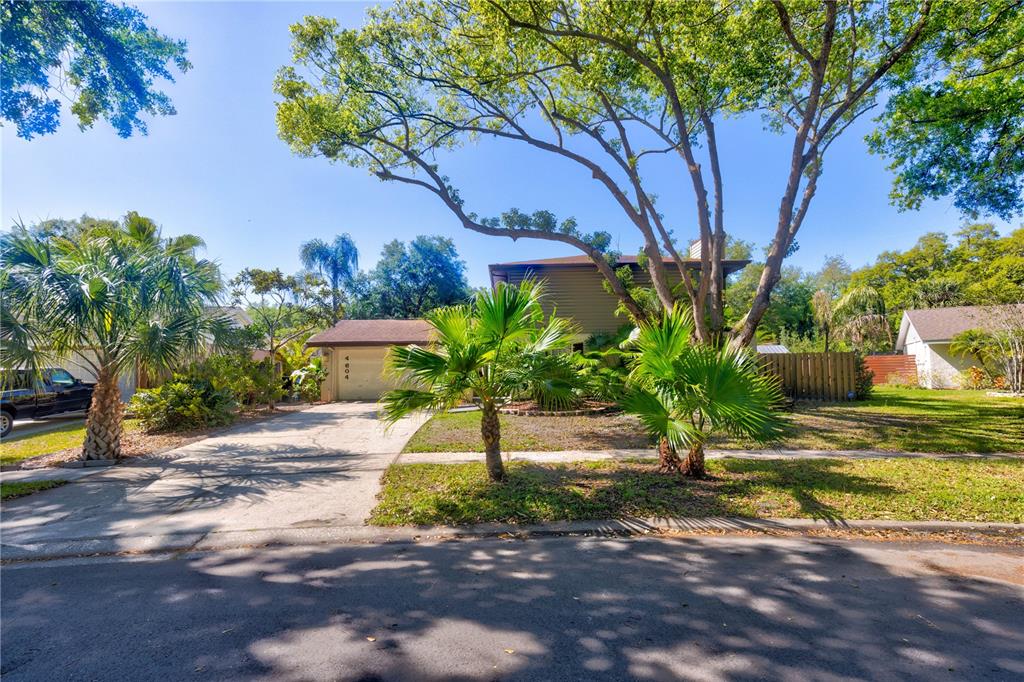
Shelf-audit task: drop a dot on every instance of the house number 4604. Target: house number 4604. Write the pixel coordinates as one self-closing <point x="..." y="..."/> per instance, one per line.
<point x="347" y="367"/>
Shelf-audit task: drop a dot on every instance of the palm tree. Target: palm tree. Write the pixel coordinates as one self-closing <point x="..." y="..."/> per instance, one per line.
<point x="116" y="297"/>
<point x="824" y="315"/>
<point x="480" y="350"/>
<point x="684" y="392"/>
<point x="860" y="317"/>
<point x="336" y="262"/>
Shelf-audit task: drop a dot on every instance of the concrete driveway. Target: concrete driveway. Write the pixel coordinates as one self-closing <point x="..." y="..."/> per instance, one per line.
<point x="314" y="469"/>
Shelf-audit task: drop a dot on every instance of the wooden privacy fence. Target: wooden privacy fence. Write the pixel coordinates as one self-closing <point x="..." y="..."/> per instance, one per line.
<point x="814" y="376"/>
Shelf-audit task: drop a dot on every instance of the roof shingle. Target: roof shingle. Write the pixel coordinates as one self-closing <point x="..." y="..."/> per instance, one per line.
<point x="942" y="324"/>
<point x="373" y="333"/>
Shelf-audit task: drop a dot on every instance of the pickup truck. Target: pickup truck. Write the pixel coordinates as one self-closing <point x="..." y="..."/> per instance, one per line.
<point x="27" y="395"/>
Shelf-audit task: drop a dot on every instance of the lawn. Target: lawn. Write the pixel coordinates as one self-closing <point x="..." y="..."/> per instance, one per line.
<point x="895" y="419"/>
<point x="14" y="449"/>
<point x="21" y="488"/>
<point x="896" y="489"/>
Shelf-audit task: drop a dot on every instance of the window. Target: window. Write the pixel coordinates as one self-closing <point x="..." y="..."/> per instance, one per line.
<point x="61" y="377"/>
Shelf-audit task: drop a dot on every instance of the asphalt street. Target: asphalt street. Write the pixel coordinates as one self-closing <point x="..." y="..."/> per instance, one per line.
<point x="561" y="608"/>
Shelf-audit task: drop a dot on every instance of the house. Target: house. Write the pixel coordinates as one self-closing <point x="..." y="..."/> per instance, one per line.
<point x="575" y="288"/>
<point x="354" y="350"/>
<point x="354" y="353"/>
<point x="926" y="335"/>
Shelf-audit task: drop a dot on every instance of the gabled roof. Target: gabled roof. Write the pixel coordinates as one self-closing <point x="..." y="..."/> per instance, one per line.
<point x="942" y="324"/>
<point x="729" y="266"/>
<point x="373" y="333"/>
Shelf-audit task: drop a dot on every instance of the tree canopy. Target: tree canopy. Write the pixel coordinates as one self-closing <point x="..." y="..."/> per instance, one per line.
<point x="410" y="280"/>
<point x="607" y="86"/>
<point x="980" y="267"/>
<point x="955" y="127"/>
<point x="100" y="56"/>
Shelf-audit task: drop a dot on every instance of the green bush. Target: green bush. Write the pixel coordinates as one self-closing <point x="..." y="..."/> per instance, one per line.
<point x="308" y="379"/>
<point x="247" y="381"/>
<point x="864" y="378"/>
<point x="182" y="404"/>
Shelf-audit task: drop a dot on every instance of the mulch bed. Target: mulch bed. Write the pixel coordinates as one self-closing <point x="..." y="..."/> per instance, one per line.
<point x="529" y="408"/>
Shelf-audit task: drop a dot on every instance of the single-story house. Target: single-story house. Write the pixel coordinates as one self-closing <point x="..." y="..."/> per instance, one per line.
<point x="354" y="353"/>
<point x="926" y="334"/>
<point x="575" y="287"/>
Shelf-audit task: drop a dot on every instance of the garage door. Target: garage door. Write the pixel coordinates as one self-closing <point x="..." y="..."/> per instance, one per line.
<point x="357" y="372"/>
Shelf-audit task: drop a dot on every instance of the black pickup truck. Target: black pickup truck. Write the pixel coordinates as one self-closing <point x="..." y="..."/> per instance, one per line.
<point x="27" y="395"/>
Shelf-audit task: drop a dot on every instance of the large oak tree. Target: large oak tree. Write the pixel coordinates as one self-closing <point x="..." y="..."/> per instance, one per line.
<point x="607" y="86"/>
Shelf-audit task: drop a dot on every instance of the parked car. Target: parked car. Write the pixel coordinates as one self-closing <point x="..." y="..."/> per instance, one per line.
<point x="53" y="391"/>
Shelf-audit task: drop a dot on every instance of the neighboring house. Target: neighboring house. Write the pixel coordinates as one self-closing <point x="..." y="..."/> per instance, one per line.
<point x="137" y="378"/>
<point x="354" y="352"/>
<point x="926" y="334"/>
<point x="769" y="348"/>
<point x="575" y="288"/>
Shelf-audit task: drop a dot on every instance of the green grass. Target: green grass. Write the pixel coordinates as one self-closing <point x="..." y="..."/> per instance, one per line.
<point x="21" y="488"/>
<point x="17" y="448"/>
<point x="895" y="419"/>
<point x="897" y="489"/>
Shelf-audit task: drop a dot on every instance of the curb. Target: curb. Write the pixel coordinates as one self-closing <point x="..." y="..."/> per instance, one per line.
<point x="186" y="542"/>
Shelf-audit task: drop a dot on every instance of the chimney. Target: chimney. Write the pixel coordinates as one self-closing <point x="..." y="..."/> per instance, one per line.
<point x="695" y="250"/>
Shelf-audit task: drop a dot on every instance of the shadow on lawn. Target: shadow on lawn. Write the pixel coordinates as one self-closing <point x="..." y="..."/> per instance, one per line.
<point x="535" y="493"/>
<point x="551" y="609"/>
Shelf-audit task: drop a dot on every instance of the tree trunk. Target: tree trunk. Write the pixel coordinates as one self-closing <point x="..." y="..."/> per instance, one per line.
<point x="668" y="458"/>
<point x="490" y="429"/>
<point x="693" y="466"/>
<point x="103" y="427"/>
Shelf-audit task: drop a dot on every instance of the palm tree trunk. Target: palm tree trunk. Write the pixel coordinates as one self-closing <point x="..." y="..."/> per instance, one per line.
<point x="104" y="426"/>
<point x="668" y="458"/>
<point x="693" y="465"/>
<point x="490" y="429"/>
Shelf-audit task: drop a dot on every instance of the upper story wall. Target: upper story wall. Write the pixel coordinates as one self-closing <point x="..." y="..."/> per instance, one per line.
<point x="578" y="293"/>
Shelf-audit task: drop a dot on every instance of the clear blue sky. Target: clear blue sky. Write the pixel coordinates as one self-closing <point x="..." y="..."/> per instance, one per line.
<point x="217" y="169"/>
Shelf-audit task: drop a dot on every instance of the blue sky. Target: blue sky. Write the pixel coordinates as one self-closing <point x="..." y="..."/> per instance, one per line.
<point x="217" y="169"/>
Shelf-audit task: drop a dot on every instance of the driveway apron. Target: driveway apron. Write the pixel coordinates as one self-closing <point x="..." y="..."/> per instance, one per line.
<point x="314" y="468"/>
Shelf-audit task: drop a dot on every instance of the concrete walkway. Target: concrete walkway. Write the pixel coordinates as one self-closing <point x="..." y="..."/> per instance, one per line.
<point x="317" y="468"/>
<point x="623" y="454"/>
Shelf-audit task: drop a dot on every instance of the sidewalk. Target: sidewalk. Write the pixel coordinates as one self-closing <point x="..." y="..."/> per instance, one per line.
<point x="624" y="454"/>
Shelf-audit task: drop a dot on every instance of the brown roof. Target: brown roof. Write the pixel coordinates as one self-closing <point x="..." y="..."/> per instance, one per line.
<point x="942" y="324"/>
<point x="729" y="265"/>
<point x="373" y="333"/>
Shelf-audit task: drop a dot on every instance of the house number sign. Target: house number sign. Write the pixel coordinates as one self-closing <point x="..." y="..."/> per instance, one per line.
<point x="347" y="368"/>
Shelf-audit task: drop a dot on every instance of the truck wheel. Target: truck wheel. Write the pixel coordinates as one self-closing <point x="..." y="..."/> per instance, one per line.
<point x="6" y="423"/>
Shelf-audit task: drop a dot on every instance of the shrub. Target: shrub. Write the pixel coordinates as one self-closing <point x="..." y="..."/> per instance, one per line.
<point x="863" y="378"/>
<point x="897" y="380"/>
<point x="181" y="404"/>
<point x="976" y="378"/>
<point x="247" y="381"/>
<point x="308" y="379"/>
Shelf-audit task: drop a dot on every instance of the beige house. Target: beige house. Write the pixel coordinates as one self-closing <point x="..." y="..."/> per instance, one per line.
<point x="354" y="353"/>
<point x="926" y="335"/>
<point x="575" y="288"/>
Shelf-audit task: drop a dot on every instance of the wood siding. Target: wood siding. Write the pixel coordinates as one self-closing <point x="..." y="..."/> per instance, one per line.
<point x="814" y="376"/>
<point x="579" y="293"/>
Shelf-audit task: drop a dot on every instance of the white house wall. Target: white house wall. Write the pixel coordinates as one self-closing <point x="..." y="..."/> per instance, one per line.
<point x="79" y="369"/>
<point x="936" y="366"/>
